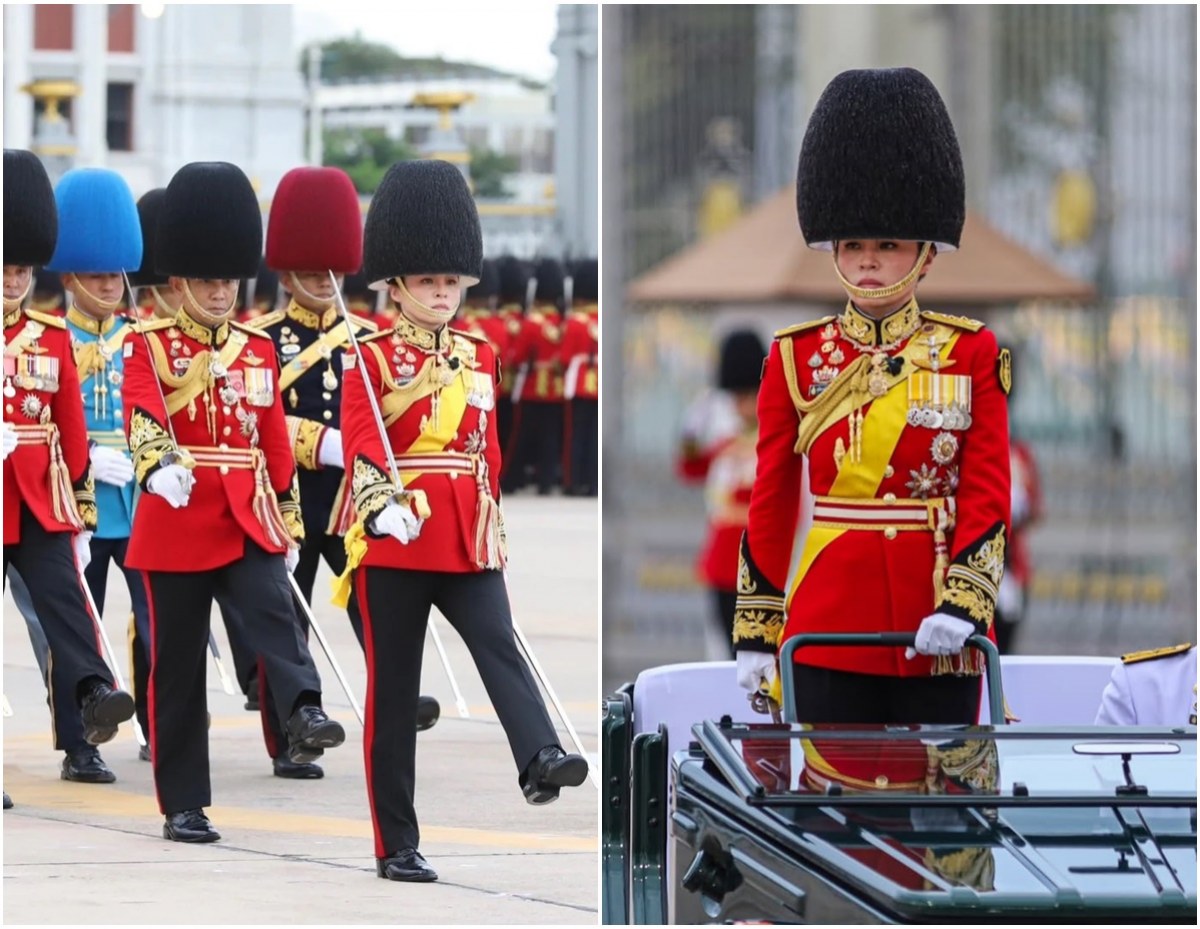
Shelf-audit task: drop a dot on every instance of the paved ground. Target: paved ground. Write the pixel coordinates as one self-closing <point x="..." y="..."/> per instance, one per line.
<point x="301" y="852"/>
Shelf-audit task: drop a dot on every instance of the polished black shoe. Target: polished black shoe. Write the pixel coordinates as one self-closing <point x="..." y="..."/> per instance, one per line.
<point x="310" y="732"/>
<point x="405" y="865"/>
<point x="301" y="772"/>
<point x="189" y="826"/>
<point x="252" y="704"/>
<point x="87" y="766"/>
<point x="103" y="709"/>
<point x="551" y="769"/>
<point x="8" y="804"/>
<point x="143" y="753"/>
<point x="428" y="713"/>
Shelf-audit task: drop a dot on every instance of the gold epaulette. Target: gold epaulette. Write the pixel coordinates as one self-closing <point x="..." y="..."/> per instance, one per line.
<point x="46" y="319"/>
<point x="375" y="335"/>
<point x="267" y="319"/>
<point x="1152" y="653"/>
<point x="958" y="322"/>
<point x="804" y="327"/>
<point x="474" y="337"/>
<point x="243" y="327"/>
<point x="369" y="324"/>
<point x="153" y="325"/>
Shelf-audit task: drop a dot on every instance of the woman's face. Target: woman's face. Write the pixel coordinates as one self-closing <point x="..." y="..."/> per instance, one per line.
<point x="440" y="292"/>
<point x="875" y="263"/>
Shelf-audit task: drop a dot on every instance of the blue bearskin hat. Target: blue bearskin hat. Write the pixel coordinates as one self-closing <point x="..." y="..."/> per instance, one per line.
<point x="211" y="224"/>
<point x="880" y="160"/>
<point x="30" y="217"/>
<point x="98" y="227"/>
<point x="422" y="220"/>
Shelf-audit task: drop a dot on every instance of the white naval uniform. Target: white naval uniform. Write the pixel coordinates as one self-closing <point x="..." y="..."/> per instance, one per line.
<point x="1156" y="688"/>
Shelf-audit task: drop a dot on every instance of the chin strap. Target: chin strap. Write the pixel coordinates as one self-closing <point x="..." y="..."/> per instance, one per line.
<point x="882" y="293"/>
<point x="324" y="302"/>
<point x="15" y="302"/>
<point x="202" y="315"/>
<point x="106" y="305"/>
<point x="421" y="314"/>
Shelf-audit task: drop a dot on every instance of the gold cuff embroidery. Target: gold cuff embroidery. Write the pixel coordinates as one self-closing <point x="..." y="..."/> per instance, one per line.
<point x="758" y="617"/>
<point x="149" y="442"/>
<point x="289" y="508"/>
<point x="305" y="436"/>
<point x="85" y="500"/>
<point x="373" y="489"/>
<point x="973" y="581"/>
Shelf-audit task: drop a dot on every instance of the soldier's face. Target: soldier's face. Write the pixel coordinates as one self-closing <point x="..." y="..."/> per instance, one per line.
<point x="16" y="281"/>
<point x="95" y="294"/>
<point x="306" y="285"/>
<point x="874" y="263"/>
<point x="214" y="295"/>
<point x="440" y="292"/>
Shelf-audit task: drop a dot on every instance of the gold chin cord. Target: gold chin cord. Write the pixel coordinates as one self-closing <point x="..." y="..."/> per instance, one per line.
<point x="201" y="315"/>
<point x="432" y="316"/>
<point x="106" y="305"/>
<point x="882" y="293"/>
<point x="325" y="302"/>
<point x="16" y="302"/>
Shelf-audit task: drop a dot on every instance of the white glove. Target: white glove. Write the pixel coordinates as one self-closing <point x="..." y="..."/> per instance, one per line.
<point x="291" y="558"/>
<point x="941" y="634"/>
<point x="83" y="548"/>
<point x="329" y="455"/>
<point x="753" y="668"/>
<point x="110" y="466"/>
<point x="399" y="522"/>
<point x="710" y="418"/>
<point x="9" y="435"/>
<point x="173" y="483"/>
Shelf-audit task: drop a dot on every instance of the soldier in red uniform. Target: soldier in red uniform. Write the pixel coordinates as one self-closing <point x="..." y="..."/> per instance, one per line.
<point x="579" y="356"/>
<point x="437" y="540"/>
<point x="219" y="514"/>
<point x="514" y="301"/>
<point x="49" y="496"/>
<point x="901" y="415"/>
<point x="718" y="447"/>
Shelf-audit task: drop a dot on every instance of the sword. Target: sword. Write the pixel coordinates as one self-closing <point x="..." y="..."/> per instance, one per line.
<point x="337" y="670"/>
<point x="463" y="712"/>
<point x="226" y="683"/>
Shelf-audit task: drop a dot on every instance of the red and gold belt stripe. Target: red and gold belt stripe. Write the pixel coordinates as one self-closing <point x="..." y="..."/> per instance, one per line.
<point x="33" y="435"/>
<point x="438" y="462"/>
<point x="898" y="513"/>
<point x="209" y="457"/>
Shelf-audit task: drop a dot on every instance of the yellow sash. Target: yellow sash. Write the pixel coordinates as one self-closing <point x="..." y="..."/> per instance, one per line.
<point x="334" y="338"/>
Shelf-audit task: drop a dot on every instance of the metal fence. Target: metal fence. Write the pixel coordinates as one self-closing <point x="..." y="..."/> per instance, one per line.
<point x="1087" y="157"/>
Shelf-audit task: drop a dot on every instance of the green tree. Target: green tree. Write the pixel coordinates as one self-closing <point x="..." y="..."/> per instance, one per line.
<point x="488" y="170"/>
<point x="364" y="154"/>
<point x="346" y="59"/>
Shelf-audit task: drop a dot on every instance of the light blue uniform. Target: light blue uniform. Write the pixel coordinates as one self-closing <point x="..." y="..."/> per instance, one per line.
<point x="1155" y="688"/>
<point x="101" y="363"/>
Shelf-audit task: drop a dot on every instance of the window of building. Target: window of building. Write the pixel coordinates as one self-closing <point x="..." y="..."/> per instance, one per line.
<point x="53" y="27"/>
<point x="120" y="27"/>
<point x="119" y="122"/>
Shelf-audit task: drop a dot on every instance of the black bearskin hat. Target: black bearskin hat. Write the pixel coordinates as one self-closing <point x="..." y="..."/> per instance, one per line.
<point x="514" y="279"/>
<point x="549" y="275"/>
<point x="422" y="220"/>
<point x="211" y="223"/>
<point x="585" y="283"/>
<point x="30" y="213"/>
<point x="742" y="354"/>
<point x="880" y="160"/>
<point x="489" y="283"/>
<point x="149" y="209"/>
<point x="266" y="286"/>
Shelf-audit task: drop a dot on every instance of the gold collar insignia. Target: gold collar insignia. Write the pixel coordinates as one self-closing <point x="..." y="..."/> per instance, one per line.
<point x="311" y="320"/>
<point x="202" y="333"/>
<point x="410" y="332"/>
<point x="89" y="323"/>
<point x="866" y="332"/>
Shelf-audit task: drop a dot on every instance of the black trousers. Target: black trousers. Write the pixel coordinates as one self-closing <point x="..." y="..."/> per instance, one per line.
<point x="724" y="607"/>
<point x="583" y="456"/>
<point x="46" y="562"/>
<point x="396" y="606"/>
<point x="541" y="438"/>
<point x="333" y="549"/>
<point x="827" y="696"/>
<point x="180" y="604"/>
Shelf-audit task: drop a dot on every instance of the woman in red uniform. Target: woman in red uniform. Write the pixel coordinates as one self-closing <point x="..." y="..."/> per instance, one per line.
<point x="439" y="539"/>
<point x="902" y="417"/>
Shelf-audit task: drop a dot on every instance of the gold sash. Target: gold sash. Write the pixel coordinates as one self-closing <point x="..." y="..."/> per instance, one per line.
<point x="197" y="378"/>
<point x="88" y="357"/>
<point x="334" y="338"/>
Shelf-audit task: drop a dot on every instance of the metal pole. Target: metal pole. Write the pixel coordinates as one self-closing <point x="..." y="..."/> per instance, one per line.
<point x="226" y="683"/>
<point x="562" y="714"/>
<point x="337" y="669"/>
<point x="395" y="472"/>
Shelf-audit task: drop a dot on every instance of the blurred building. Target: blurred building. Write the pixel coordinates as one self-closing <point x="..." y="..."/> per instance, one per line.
<point x="1078" y="129"/>
<point x="108" y="85"/>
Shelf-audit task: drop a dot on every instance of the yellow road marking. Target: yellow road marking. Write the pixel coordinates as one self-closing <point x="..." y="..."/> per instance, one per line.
<point x="37" y="792"/>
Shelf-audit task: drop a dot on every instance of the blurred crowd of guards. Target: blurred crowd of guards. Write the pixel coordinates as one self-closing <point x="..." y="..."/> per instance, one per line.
<point x="541" y="318"/>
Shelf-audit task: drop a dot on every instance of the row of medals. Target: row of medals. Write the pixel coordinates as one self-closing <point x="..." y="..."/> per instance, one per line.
<point x="289" y="345"/>
<point x="227" y="392"/>
<point x="31" y="405"/>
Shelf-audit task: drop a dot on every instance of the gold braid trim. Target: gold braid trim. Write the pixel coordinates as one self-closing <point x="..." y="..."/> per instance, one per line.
<point x="85" y="499"/>
<point x="372" y="488"/>
<point x="149" y="442"/>
<point x="973" y="581"/>
<point x="758" y="618"/>
<point x="305" y="436"/>
<point x="289" y="508"/>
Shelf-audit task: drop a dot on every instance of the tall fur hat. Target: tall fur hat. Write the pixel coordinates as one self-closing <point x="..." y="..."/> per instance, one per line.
<point x="880" y="160"/>
<point x="315" y="223"/>
<point x="98" y="227"/>
<point x="489" y="282"/>
<point x="585" y="281"/>
<point x="211" y="223"/>
<point x="514" y="279"/>
<point x="149" y="208"/>
<point x="422" y="220"/>
<point x="742" y="354"/>
<point x="266" y="285"/>
<point x="550" y="281"/>
<point x="30" y="216"/>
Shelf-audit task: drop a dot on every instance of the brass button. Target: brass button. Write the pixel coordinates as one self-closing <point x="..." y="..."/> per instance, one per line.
<point x="327" y="414"/>
<point x="889" y="532"/>
<point x="889" y="499"/>
<point x="889" y="471"/>
<point x="223" y="446"/>
<point x="8" y="408"/>
<point x="224" y="469"/>
<point x="881" y="781"/>
<point x="225" y="410"/>
<point x="327" y="395"/>
<point x="225" y="431"/>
